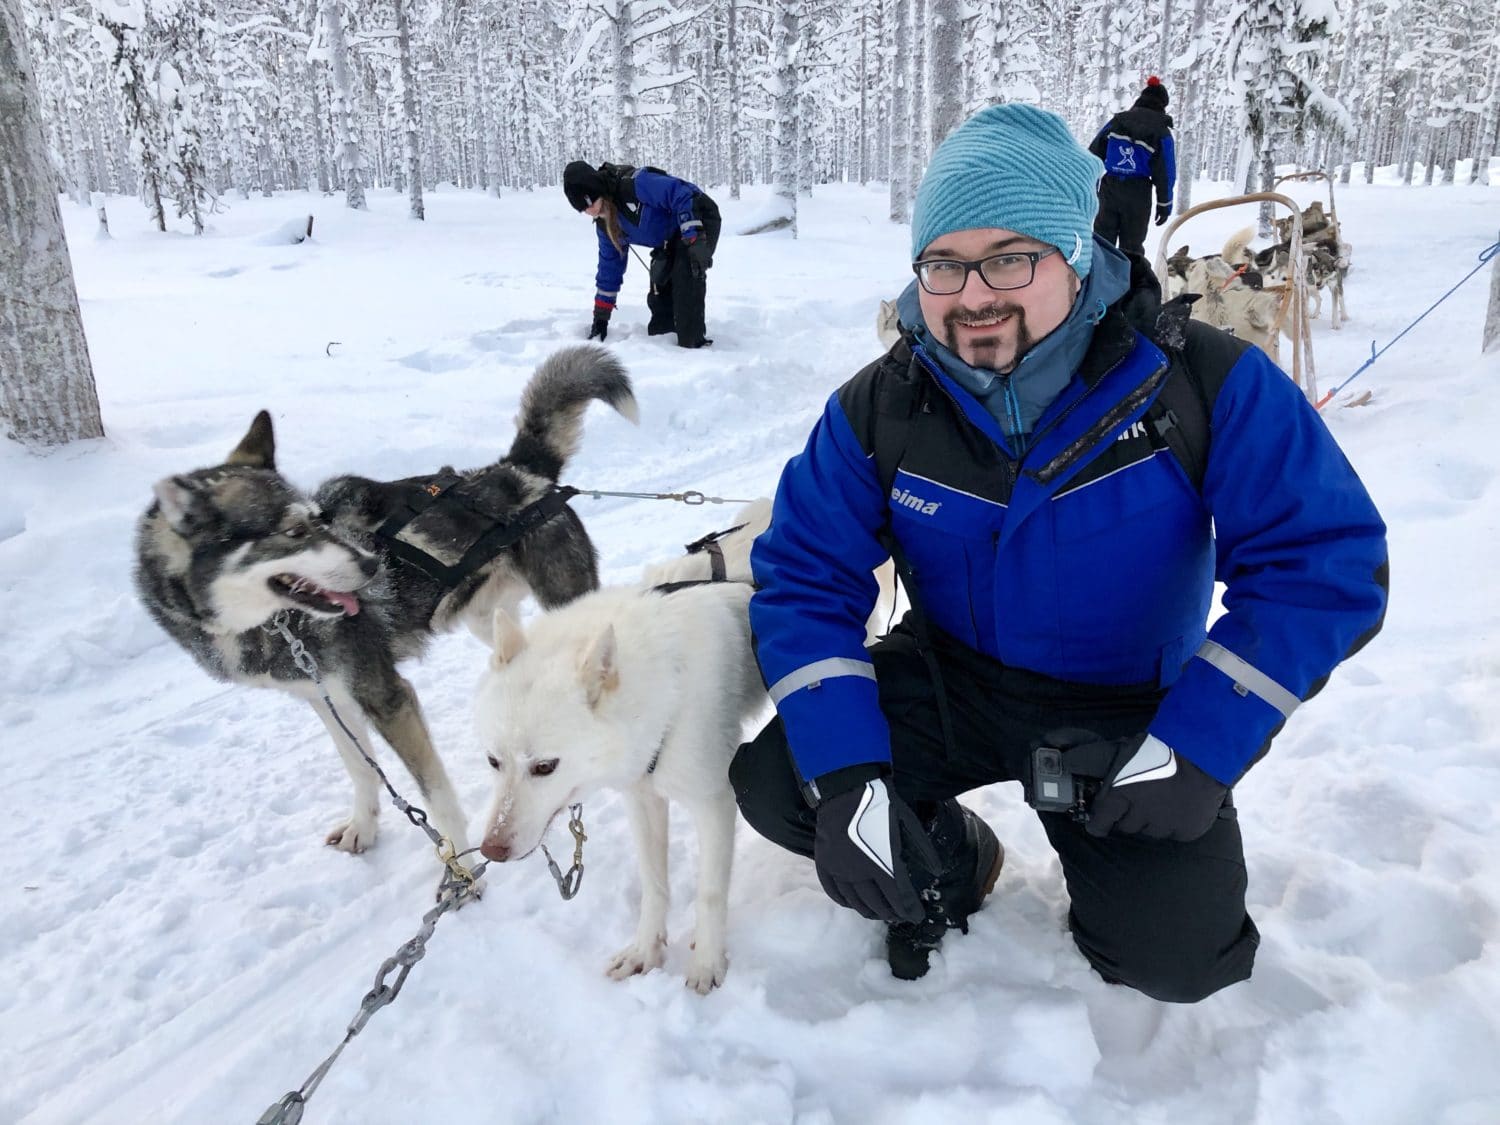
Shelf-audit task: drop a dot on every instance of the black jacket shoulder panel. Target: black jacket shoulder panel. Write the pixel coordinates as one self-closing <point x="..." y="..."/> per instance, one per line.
<point x="1143" y="124"/>
<point x="890" y="385"/>
<point x="1211" y="354"/>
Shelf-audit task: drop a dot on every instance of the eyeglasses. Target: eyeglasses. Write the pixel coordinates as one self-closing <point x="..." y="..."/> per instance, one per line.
<point x="942" y="277"/>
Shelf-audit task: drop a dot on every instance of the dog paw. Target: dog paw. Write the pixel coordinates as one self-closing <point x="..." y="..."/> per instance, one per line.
<point x="637" y="958"/>
<point x="352" y="836"/>
<point x="705" y="973"/>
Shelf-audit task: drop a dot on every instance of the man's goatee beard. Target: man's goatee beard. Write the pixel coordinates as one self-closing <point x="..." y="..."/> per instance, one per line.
<point x="1024" y="341"/>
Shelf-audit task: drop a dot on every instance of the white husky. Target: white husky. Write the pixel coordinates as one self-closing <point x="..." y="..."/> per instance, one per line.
<point x="631" y="689"/>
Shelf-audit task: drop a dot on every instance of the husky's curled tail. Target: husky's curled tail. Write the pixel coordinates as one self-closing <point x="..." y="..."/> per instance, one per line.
<point x="549" y="427"/>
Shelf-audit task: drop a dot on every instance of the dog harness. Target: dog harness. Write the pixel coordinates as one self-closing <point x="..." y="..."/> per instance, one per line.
<point x="446" y="493"/>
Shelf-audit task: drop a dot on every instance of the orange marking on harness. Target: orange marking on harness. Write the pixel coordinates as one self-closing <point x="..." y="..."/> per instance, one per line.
<point x="1232" y="276"/>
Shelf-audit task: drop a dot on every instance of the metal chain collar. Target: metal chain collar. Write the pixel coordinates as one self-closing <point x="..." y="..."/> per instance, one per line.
<point x="458" y="887"/>
<point x="567" y="885"/>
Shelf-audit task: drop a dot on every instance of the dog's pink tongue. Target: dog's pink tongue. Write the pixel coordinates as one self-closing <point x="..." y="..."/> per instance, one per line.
<point x="347" y="602"/>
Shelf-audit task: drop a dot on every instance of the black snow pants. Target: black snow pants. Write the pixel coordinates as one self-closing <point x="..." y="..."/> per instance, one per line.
<point x="678" y="293"/>
<point x="1165" y="918"/>
<point x="1124" y="213"/>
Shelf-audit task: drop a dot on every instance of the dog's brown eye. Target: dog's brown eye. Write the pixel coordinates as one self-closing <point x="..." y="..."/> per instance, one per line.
<point x="494" y="765"/>
<point x="542" y="769"/>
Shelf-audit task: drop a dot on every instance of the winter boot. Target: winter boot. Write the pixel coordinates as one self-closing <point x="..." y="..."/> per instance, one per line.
<point x="972" y="858"/>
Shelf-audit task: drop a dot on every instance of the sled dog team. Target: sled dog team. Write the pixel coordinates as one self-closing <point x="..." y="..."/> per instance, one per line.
<point x="642" y="688"/>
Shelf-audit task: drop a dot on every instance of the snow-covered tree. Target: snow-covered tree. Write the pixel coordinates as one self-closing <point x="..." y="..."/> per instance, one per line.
<point x="47" y="393"/>
<point x="946" y="66"/>
<point x="351" y="163"/>
<point x="120" y="34"/>
<point x="406" y="101"/>
<point x="180" y="52"/>
<point x="902" y="185"/>
<point x="1271" y="52"/>
<point x="787" y="99"/>
<point x="274" y="94"/>
<point x="1492" y="317"/>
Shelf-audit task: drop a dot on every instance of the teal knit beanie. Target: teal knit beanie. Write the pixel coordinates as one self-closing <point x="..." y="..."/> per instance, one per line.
<point x="1016" y="167"/>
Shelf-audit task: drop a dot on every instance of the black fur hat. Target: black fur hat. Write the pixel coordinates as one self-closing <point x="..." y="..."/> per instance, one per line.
<point x="1154" y="96"/>
<point x="582" y="184"/>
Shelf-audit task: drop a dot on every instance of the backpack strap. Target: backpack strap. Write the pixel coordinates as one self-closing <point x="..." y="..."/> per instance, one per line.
<point x="897" y="405"/>
<point x="1180" y="419"/>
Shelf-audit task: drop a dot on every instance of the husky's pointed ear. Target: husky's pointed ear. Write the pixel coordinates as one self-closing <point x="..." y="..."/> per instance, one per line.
<point x="174" y="496"/>
<point x="600" y="670"/>
<point x="257" y="448"/>
<point x="507" y="639"/>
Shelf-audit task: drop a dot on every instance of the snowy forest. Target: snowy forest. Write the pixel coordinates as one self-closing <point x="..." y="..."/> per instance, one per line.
<point x="190" y="101"/>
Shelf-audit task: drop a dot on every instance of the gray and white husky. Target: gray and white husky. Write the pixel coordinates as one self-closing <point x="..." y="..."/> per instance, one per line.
<point x="222" y="550"/>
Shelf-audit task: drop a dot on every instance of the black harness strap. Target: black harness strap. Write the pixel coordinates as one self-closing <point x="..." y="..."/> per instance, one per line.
<point x="710" y="544"/>
<point x="898" y="424"/>
<point x="666" y="588"/>
<point x="501" y="534"/>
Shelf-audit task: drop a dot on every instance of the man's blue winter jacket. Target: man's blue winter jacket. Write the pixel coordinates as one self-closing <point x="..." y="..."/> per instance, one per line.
<point x="1091" y="558"/>
<point x="665" y="208"/>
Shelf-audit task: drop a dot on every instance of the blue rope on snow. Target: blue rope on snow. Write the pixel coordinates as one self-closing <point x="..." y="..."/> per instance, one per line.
<point x="1484" y="257"/>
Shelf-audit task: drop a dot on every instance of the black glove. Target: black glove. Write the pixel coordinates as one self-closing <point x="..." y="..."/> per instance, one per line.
<point x="1163" y="213"/>
<point x="700" y="257"/>
<point x="601" y="326"/>
<point x="1153" y="791"/>
<point x="858" y="849"/>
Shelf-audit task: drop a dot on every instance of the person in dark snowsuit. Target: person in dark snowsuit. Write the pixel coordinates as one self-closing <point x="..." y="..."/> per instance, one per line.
<point x="1138" y="152"/>
<point x="1012" y="453"/>
<point x="647" y="207"/>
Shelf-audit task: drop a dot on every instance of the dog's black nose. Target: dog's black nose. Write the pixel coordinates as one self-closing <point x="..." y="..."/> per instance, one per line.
<point x="369" y="565"/>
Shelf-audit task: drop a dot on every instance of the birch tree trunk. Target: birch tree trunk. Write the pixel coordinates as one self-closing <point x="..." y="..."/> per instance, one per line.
<point x="343" y="106"/>
<point x="1166" y="38"/>
<point x="916" y="46"/>
<point x="862" y="169"/>
<point x="78" y="156"/>
<point x="409" y="111"/>
<point x="231" y="145"/>
<point x="783" y="52"/>
<point x="624" y="139"/>
<point x="1377" y="130"/>
<point x="1492" y="318"/>
<point x="484" y="86"/>
<point x="1485" y="133"/>
<point x="1190" y="134"/>
<point x="802" y="104"/>
<point x="732" y="58"/>
<point x="47" y="393"/>
<point x="901" y="129"/>
<point x="946" y="66"/>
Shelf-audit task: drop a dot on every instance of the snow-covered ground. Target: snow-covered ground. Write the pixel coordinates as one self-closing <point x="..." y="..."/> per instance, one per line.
<point x="178" y="946"/>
